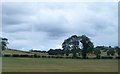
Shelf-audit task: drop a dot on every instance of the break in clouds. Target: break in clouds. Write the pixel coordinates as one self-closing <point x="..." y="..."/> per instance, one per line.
<point x="46" y="25"/>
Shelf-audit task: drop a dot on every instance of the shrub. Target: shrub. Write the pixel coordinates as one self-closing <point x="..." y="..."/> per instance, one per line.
<point x="118" y="57"/>
<point x="15" y="55"/>
<point x="43" y="56"/>
<point x="106" y="57"/>
<point x="24" y="55"/>
<point x="7" y="55"/>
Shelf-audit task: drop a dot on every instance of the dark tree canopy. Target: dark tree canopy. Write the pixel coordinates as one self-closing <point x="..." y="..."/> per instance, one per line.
<point x="72" y="44"/>
<point x="66" y="47"/>
<point x="86" y="42"/>
<point x="117" y="50"/>
<point x="97" y="52"/>
<point x="87" y="45"/>
<point x="3" y="43"/>
<point x="55" y="52"/>
<point x="111" y="52"/>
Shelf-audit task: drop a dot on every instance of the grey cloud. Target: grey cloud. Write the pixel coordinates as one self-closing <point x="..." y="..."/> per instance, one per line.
<point x="17" y="28"/>
<point x="15" y="19"/>
<point x="11" y="20"/>
<point x="36" y="23"/>
<point x="17" y="8"/>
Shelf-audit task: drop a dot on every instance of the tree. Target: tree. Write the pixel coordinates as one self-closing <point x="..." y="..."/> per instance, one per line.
<point x="55" y="52"/>
<point x="97" y="52"/>
<point x="72" y="44"/>
<point x="111" y="51"/>
<point x="3" y="43"/>
<point x="66" y="47"/>
<point x="52" y="52"/>
<point x="87" y="45"/>
<point x="59" y="51"/>
<point x="117" y="50"/>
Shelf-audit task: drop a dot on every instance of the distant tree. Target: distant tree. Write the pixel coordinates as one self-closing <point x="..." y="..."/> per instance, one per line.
<point x="59" y="51"/>
<point x="72" y="44"/>
<point x="104" y="48"/>
<point x="97" y="52"/>
<point x="43" y="51"/>
<point x="3" y="43"/>
<point x="35" y="50"/>
<point x="62" y="52"/>
<point x="87" y="45"/>
<point x="117" y="50"/>
<point x="101" y="47"/>
<point x="66" y="47"/>
<point x="31" y="50"/>
<point x="111" y="51"/>
<point x="55" y="52"/>
<point x="52" y="52"/>
<point x="108" y="53"/>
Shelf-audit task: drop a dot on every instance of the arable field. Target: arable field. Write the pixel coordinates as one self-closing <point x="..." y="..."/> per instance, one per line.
<point x="11" y="64"/>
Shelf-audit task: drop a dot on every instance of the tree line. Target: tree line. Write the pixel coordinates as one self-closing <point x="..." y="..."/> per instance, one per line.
<point x="71" y="45"/>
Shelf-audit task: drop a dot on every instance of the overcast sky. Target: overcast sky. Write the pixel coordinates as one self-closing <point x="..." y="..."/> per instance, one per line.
<point x="46" y="25"/>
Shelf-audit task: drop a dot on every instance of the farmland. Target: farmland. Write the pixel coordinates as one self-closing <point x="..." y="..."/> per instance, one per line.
<point x="11" y="64"/>
<point x="25" y="64"/>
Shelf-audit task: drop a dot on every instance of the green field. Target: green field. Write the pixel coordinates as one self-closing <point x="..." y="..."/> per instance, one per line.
<point x="11" y="64"/>
<point x="22" y="52"/>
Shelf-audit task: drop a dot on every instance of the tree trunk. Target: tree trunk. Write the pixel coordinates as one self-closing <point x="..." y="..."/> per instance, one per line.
<point x="84" y="54"/>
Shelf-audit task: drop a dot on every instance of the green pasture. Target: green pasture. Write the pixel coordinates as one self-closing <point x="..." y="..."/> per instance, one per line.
<point x="22" y="52"/>
<point x="14" y="52"/>
<point x="11" y="64"/>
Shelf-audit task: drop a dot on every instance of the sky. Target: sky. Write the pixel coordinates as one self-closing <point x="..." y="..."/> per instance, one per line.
<point x="45" y="25"/>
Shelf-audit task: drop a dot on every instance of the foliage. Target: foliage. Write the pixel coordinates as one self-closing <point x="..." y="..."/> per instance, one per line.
<point x="87" y="45"/>
<point x="117" y="50"/>
<point x="111" y="52"/>
<point x="72" y="44"/>
<point x="3" y="43"/>
<point x="97" y="52"/>
<point x="55" y="52"/>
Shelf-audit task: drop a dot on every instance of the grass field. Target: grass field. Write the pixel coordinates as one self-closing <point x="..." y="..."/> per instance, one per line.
<point x="22" y="52"/>
<point x="11" y="64"/>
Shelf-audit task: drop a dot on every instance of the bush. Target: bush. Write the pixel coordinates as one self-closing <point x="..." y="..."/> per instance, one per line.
<point x="49" y="56"/>
<point x="15" y="55"/>
<point x="35" y="55"/>
<point x="118" y="57"/>
<point x="52" y="56"/>
<point x="78" y="57"/>
<point x="24" y="55"/>
<point x="106" y="57"/>
<point x="7" y="55"/>
<point x="44" y="56"/>
<point x="30" y="56"/>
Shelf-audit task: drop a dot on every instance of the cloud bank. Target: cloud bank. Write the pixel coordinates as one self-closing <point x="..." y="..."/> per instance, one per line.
<point x="46" y="25"/>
